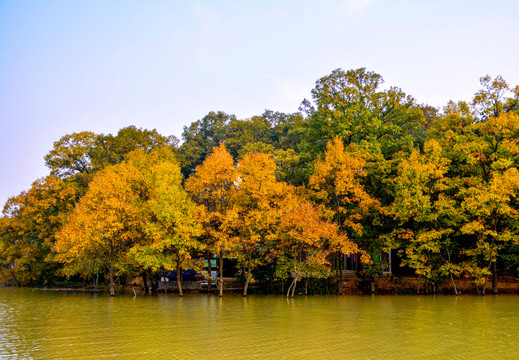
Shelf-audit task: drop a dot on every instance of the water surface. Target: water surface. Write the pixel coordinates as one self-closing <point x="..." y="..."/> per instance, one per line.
<point x="38" y="324"/>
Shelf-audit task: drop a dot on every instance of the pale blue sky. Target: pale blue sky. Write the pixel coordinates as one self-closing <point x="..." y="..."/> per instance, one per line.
<point x="68" y="66"/>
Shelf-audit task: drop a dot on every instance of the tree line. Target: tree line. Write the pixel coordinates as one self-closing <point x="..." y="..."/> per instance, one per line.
<point x="359" y="169"/>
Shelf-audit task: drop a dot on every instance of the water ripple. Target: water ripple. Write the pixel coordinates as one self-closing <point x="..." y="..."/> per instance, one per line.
<point x="52" y="325"/>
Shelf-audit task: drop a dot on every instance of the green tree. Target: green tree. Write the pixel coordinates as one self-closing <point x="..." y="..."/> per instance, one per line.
<point x="71" y="158"/>
<point x="349" y="105"/>
<point x="111" y="150"/>
<point x="200" y="138"/>
<point x="492" y="99"/>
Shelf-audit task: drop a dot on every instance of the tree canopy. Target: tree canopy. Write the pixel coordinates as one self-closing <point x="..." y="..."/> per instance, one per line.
<point x="360" y="169"/>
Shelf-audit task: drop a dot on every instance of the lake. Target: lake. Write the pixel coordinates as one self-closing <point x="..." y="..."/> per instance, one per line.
<point x="37" y="324"/>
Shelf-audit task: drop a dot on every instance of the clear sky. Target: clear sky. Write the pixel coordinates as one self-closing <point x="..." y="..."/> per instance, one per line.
<point x="69" y="66"/>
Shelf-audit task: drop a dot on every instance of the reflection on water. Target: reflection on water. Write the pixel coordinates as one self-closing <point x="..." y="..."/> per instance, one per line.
<point x="58" y="325"/>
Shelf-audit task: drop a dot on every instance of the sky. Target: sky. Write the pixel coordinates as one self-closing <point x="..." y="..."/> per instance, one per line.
<point x="97" y="65"/>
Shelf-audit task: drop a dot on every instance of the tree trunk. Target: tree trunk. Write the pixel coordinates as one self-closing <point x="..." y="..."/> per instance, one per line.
<point x="372" y="286"/>
<point x="153" y="285"/>
<point x="247" y="280"/>
<point x="111" y="270"/>
<point x="337" y="271"/>
<point x="220" y="294"/>
<point x="294" y="288"/>
<point x="209" y="280"/>
<point x="179" y="278"/>
<point x="454" y="285"/>
<point x="15" y="279"/>
<point x="145" y="283"/>
<point x="96" y="281"/>
<point x="494" y="277"/>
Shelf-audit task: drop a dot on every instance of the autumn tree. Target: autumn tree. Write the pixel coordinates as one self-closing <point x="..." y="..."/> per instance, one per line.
<point x="214" y="185"/>
<point x="105" y="222"/>
<point x="28" y="228"/>
<point x="481" y="153"/>
<point x="489" y="194"/>
<point x="169" y="227"/>
<point x="287" y="162"/>
<point x="338" y="184"/>
<point x="428" y="216"/>
<point x="258" y="200"/>
<point x="305" y="239"/>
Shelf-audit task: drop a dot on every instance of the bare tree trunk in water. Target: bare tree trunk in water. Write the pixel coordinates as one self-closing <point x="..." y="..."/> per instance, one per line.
<point x="220" y="294"/>
<point x="145" y="283"/>
<point x="372" y="286"/>
<point x="292" y="288"/>
<point x="179" y="278"/>
<point x="494" y="276"/>
<point x="454" y="285"/>
<point x="484" y="287"/>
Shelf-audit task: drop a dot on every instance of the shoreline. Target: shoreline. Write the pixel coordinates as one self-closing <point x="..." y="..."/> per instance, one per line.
<point x="352" y="285"/>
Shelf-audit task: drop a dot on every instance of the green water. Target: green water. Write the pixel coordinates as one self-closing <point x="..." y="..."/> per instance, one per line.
<point x="57" y="325"/>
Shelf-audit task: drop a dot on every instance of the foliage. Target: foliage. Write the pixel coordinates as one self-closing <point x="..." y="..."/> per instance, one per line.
<point x="360" y="169"/>
<point x="349" y="105"/>
<point x="214" y="185"/>
<point x="28" y="229"/>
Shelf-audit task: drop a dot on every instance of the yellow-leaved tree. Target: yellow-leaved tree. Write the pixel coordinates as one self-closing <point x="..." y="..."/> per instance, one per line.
<point x="28" y="228"/>
<point x="338" y="184"/>
<point x="170" y="229"/>
<point x="304" y="240"/>
<point x="214" y="185"/>
<point x="104" y="224"/>
<point x="259" y="198"/>
<point x="428" y="216"/>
